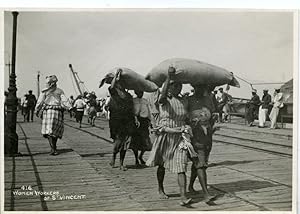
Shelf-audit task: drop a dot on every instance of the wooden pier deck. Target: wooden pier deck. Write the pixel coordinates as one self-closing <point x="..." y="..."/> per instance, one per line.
<point x="80" y="178"/>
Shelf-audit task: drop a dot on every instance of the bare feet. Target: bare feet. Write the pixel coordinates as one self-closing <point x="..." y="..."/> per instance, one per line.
<point x="163" y="195"/>
<point x="191" y="189"/>
<point x="208" y="198"/>
<point x="54" y="153"/>
<point x="142" y="161"/>
<point x="112" y="163"/>
<point x="123" y="168"/>
<point x="185" y="201"/>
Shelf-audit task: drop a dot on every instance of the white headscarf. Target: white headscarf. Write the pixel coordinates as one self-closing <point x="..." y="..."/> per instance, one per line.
<point x="50" y="82"/>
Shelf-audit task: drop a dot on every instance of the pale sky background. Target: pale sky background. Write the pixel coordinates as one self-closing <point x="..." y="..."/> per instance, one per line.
<point x="257" y="46"/>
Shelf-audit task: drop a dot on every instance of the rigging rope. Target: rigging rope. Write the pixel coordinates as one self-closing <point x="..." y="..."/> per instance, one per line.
<point x="251" y="84"/>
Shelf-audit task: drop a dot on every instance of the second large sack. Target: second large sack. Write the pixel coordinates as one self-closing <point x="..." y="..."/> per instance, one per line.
<point x="193" y="72"/>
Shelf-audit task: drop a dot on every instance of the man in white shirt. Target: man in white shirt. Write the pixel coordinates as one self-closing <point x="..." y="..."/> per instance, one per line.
<point x="79" y="105"/>
<point x="278" y="103"/>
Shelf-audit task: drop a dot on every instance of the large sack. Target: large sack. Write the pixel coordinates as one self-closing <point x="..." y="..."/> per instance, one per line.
<point x="193" y="72"/>
<point x="130" y="80"/>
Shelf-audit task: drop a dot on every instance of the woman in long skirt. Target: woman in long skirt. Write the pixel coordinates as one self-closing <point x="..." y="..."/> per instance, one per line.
<point x="121" y="120"/>
<point x="51" y="104"/>
<point x="166" y="153"/>
<point x="140" y="138"/>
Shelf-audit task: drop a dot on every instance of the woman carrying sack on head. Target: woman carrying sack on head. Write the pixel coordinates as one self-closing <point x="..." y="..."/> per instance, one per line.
<point x="166" y="153"/>
<point x="50" y="105"/>
<point x="121" y="120"/>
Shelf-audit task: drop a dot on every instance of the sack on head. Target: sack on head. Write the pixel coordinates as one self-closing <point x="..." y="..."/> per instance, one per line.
<point x="130" y="80"/>
<point x="193" y="72"/>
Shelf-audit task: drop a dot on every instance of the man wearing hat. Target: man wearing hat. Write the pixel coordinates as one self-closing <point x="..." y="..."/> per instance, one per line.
<point x="263" y="109"/>
<point x="51" y="104"/>
<point x="278" y="103"/>
<point x="31" y="105"/>
<point x="253" y="106"/>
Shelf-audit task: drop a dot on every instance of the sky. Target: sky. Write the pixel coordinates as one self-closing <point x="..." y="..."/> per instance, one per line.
<point x="256" y="46"/>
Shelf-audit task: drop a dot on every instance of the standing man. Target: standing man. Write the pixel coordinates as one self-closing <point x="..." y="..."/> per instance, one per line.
<point x="263" y="109"/>
<point x="278" y="104"/>
<point x="31" y="105"/>
<point x="223" y="105"/>
<point x="253" y="106"/>
<point x="200" y="110"/>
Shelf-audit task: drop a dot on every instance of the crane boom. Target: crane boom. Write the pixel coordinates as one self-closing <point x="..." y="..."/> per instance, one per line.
<point x="76" y="80"/>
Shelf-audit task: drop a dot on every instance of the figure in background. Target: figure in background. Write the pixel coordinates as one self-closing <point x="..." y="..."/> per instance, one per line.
<point x="101" y="106"/>
<point x="121" y="120"/>
<point x="22" y="104"/>
<point x="71" y="111"/>
<point x="166" y="153"/>
<point x="51" y="105"/>
<point x="140" y="138"/>
<point x="92" y="113"/>
<point x="31" y="105"/>
<point x="85" y="98"/>
<point x="106" y="107"/>
<point x="263" y="109"/>
<point x="223" y="106"/>
<point x="277" y="105"/>
<point x="25" y="108"/>
<point x="79" y="106"/>
<point x="212" y="93"/>
<point x="252" y="107"/>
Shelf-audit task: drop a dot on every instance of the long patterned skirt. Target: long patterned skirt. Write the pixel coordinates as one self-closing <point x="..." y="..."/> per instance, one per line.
<point x="52" y="124"/>
<point x="166" y="152"/>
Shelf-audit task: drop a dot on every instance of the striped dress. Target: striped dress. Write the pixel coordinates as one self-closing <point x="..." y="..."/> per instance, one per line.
<point x="165" y="150"/>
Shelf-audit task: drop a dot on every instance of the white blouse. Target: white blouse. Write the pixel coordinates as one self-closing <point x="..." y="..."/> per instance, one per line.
<point x="54" y="97"/>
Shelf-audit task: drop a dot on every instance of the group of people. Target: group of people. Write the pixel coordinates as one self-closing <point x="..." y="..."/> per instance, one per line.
<point x="184" y="126"/>
<point x="129" y="122"/>
<point x="260" y="108"/>
<point x="222" y="102"/>
<point x="28" y="103"/>
<point x="88" y="104"/>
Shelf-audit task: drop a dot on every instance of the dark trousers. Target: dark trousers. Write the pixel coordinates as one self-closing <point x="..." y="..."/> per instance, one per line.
<point x="26" y="113"/>
<point x="30" y="113"/>
<point x="252" y="114"/>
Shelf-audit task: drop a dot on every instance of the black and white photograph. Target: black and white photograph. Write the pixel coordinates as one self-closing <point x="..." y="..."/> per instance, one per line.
<point x="150" y="110"/>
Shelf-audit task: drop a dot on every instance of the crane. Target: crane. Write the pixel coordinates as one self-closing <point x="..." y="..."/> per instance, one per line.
<point x="80" y="84"/>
